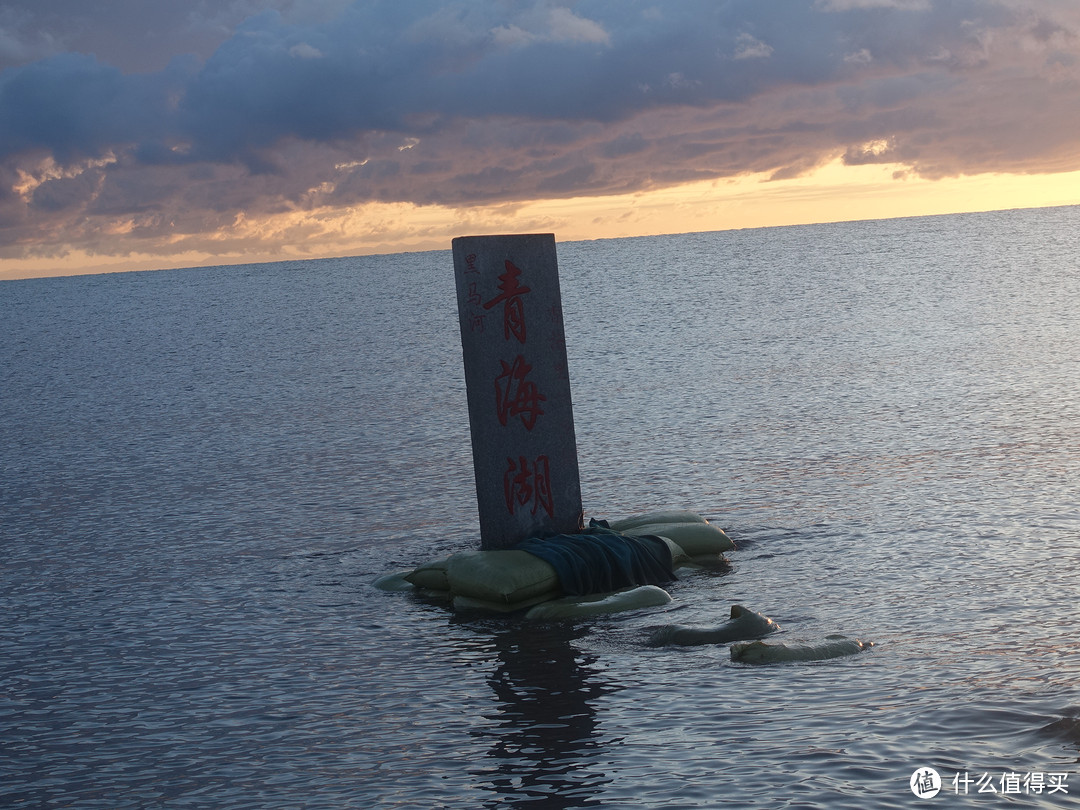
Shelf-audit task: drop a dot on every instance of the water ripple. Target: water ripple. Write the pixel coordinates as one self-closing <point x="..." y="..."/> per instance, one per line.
<point x="206" y="469"/>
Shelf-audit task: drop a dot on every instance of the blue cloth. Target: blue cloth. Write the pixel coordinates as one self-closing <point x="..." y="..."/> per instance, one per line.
<point x="601" y="560"/>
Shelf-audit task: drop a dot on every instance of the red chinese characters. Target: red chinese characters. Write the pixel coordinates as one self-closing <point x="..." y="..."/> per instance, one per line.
<point x="513" y="307"/>
<point x="515" y="395"/>
<point x="526" y="484"/>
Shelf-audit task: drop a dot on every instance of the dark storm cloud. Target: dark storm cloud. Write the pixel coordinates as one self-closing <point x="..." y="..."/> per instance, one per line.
<point x="135" y="35"/>
<point x="395" y="66"/>
<point x="325" y="102"/>
<point x="73" y="106"/>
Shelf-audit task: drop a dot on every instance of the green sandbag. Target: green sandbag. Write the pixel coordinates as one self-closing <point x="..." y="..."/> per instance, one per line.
<point x="695" y="538"/>
<point x="430" y="575"/>
<point x="506" y="576"/>
<point x="669" y="516"/>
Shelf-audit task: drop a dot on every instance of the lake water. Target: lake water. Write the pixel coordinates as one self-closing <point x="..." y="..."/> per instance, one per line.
<point x="204" y="470"/>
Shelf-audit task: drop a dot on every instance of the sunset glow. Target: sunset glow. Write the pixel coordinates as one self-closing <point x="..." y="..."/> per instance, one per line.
<point x="343" y="128"/>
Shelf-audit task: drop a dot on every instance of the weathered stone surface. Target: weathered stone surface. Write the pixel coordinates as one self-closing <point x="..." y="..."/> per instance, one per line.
<point x="520" y="411"/>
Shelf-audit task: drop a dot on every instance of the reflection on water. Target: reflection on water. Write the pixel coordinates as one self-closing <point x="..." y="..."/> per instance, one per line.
<point x="203" y="472"/>
<point x="544" y="719"/>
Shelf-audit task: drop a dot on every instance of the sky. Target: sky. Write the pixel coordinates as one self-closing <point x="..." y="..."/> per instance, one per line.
<point x="141" y="134"/>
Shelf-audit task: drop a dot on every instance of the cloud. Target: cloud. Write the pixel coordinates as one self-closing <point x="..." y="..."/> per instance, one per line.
<point x="304" y="51"/>
<point x="749" y="47"/>
<point x="272" y="107"/>
<point x="566" y="26"/>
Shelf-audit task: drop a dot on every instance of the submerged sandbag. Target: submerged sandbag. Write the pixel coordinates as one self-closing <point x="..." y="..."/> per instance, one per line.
<point x="696" y="539"/>
<point x="505" y="575"/>
<point x="742" y="624"/>
<point x="759" y="652"/>
<point x="393" y="582"/>
<point x="600" y="604"/>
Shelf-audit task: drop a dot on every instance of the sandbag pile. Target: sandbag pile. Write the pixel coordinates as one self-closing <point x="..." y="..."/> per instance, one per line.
<point x="692" y="534"/>
<point x="502" y="580"/>
<point x="509" y="579"/>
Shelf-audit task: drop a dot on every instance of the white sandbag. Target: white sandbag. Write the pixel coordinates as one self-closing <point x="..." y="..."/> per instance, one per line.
<point x="393" y="582"/>
<point x="507" y="576"/>
<point x="670" y="516"/>
<point x="758" y="652"/>
<point x="694" y="538"/>
<point x="600" y="604"/>
<point x="743" y="624"/>
<point x="430" y="575"/>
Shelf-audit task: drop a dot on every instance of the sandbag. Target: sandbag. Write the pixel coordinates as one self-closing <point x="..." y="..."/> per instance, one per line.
<point x="430" y="575"/>
<point x="393" y="582"/>
<point x="504" y="576"/>
<point x="695" y="539"/>
<point x="758" y="652"/>
<point x="742" y="624"/>
<point x="600" y="604"/>
<point x="670" y="516"/>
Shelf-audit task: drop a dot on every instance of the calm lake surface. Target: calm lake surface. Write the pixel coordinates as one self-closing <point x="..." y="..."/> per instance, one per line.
<point x="204" y="470"/>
